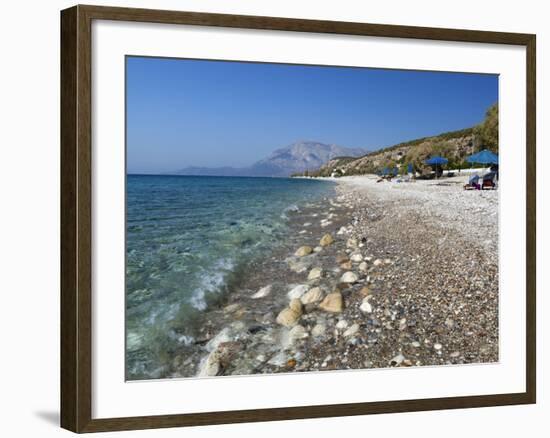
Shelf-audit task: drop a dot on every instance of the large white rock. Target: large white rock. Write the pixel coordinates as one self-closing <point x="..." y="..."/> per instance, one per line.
<point x="313" y="295"/>
<point x="326" y="240"/>
<point x="333" y="303"/>
<point x="349" y="277"/>
<point x="297" y="291"/>
<point x="290" y="316"/>
<point x="315" y="273"/>
<point x="342" y="324"/>
<point x="366" y="306"/>
<point x="303" y="251"/>
<point x="210" y="366"/>
<point x="263" y="292"/>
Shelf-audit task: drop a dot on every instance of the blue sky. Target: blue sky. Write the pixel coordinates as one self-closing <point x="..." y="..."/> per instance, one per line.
<point x="213" y="113"/>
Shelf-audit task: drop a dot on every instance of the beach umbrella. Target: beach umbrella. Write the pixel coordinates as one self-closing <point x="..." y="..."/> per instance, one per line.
<point x="436" y="161"/>
<point x="410" y="168"/>
<point x="395" y="171"/>
<point x="483" y="157"/>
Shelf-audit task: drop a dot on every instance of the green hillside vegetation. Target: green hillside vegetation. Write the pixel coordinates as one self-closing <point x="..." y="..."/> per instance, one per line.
<point x="454" y="145"/>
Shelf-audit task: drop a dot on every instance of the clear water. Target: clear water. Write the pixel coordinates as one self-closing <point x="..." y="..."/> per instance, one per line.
<point x="188" y="240"/>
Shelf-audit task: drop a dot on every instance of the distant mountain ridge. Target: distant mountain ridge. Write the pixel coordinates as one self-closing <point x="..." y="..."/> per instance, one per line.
<point x="298" y="157"/>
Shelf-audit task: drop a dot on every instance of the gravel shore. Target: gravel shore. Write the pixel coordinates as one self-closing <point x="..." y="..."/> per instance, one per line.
<point x="383" y="274"/>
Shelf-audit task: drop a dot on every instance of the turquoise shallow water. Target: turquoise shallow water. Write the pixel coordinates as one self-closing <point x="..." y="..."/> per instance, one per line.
<point x="188" y="241"/>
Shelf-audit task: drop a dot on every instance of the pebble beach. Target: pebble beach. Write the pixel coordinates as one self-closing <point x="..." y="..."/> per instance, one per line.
<point x="382" y="274"/>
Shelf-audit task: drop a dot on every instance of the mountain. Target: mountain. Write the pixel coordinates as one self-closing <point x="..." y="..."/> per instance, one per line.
<point x="299" y="157"/>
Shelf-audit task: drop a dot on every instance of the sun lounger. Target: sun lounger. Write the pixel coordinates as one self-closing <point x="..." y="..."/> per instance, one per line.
<point x="473" y="183"/>
<point x="488" y="182"/>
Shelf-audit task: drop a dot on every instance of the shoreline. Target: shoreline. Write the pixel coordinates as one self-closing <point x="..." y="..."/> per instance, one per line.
<point x="409" y="280"/>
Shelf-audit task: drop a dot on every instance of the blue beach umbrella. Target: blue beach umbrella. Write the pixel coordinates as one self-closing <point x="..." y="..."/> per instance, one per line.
<point x="410" y="168"/>
<point x="436" y="161"/>
<point x="483" y="157"/>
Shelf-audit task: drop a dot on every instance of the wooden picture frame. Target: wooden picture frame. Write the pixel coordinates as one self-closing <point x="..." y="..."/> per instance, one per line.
<point x="76" y="217"/>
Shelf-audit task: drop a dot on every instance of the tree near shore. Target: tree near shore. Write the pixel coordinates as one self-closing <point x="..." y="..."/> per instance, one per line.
<point x="487" y="131"/>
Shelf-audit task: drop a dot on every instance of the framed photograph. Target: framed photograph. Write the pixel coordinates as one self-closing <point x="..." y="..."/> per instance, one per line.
<point x="269" y="218"/>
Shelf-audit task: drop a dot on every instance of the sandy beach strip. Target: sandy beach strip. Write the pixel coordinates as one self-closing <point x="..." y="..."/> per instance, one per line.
<point x="383" y="274"/>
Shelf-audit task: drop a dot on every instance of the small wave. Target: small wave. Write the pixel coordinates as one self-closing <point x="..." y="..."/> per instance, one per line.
<point x="290" y="209"/>
<point x="211" y="281"/>
<point x="186" y="340"/>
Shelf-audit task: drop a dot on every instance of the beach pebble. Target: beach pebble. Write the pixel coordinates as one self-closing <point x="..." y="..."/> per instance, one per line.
<point x="438" y="346"/>
<point x="333" y="303"/>
<point x="455" y="354"/>
<point x="365" y="306"/>
<point x="363" y="266"/>
<point x="318" y="330"/>
<point x="296" y="306"/>
<point x="346" y="266"/>
<point x="231" y="308"/>
<point x="349" y="277"/>
<point x="303" y="251"/>
<point x="297" y="333"/>
<point x="326" y="240"/>
<point x="313" y="295"/>
<point x="377" y="262"/>
<point x="210" y="366"/>
<point x="263" y="292"/>
<point x="315" y="273"/>
<point x="397" y="360"/>
<point x="290" y="316"/>
<point x="449" y="323"/>
<point x="352" y="330"/>
<point x="415" y="344"/>
<point x="318" y="249"/>
<point x="356" y="257"/>
<point x="342" y="258"/>
<point x="342" y="324"/>
<point x="351" y="243"/>
<point x="297" y="291"/>
<point x="365" y="291"/>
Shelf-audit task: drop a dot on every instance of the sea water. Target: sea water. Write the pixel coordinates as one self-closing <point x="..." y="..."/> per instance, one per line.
<point x="188" y="241"/>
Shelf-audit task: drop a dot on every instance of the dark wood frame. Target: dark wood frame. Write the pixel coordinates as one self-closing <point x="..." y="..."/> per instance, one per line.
<point x="76" y="219"/>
